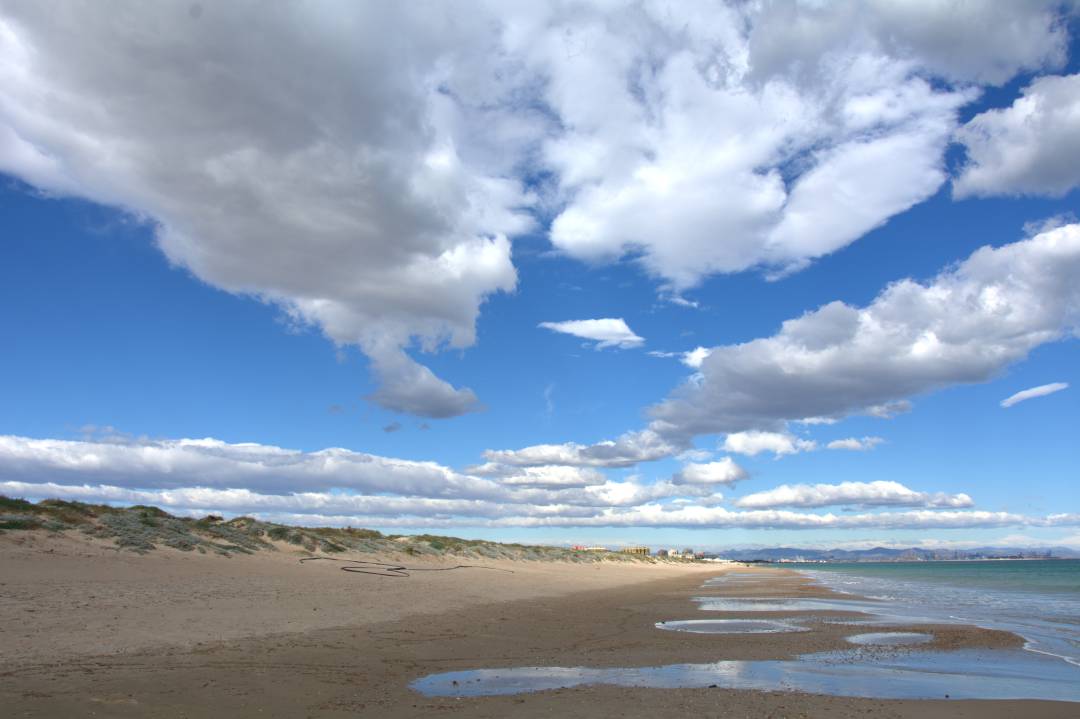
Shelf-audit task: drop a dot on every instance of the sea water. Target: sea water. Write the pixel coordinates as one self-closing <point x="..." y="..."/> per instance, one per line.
<point x="1037" y="599"/>
<point x="968" y="674"/>
<point x="730" y="626"/>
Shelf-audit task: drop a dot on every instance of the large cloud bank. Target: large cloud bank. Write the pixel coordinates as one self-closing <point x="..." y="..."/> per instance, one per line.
<point x="335" y="486"/>
<point x="303" y="154"/>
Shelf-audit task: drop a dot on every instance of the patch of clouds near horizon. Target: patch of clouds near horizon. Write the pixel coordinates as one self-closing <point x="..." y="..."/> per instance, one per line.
<point x="384" y="511"/>
<point x="864" y="494"/>
<point x="164" y="473"/>
<point x="1012" y="541"/>
<point x="171" y="463"/>
<point x="187" y="465"/>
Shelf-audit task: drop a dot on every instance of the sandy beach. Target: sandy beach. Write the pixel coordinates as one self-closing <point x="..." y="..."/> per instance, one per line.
<point x="89" y="631"/>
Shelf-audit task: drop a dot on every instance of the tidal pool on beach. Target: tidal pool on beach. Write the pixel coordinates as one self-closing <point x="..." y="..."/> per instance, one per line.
<point x="890" y="639"/>
<point x="780" y="604"/>
<point x="903" y="671"/>
<point x="738" y="578"/>
<point x="863" y="612"/>
<point x="966" y="674"/>
<point x="729" y="626"/>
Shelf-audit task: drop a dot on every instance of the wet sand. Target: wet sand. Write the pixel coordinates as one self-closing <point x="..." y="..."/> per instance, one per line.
<point x="87" y="631"/>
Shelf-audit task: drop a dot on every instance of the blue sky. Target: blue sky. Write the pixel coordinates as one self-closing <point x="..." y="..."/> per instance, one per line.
<point x="217" y="273"/>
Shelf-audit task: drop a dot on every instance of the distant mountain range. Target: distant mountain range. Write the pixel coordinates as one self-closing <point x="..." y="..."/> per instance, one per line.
<point x="887" y="554"/>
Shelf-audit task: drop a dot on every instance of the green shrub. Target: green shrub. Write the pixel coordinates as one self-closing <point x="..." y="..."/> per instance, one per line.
<point x="70" y="512"/>
<point x="18" y="505"/>
<point x="181" y="543"/>
<point x="19" y="523"/>
<point x="149" y="511"/>
<point x="278" y="533"/>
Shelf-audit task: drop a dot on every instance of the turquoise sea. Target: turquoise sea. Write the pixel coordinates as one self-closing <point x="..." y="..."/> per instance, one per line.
<point x="1038" y="599"/>
<point x="1058" y="576"/>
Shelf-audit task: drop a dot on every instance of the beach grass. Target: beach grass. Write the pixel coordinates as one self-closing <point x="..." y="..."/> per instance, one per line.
<point x="142" y="529"/>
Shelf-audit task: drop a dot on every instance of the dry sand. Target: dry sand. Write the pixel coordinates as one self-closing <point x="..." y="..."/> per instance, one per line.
<point x="88" y="631"/>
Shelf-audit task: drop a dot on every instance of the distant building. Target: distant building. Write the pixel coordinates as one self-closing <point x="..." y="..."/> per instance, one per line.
<point x="661" y="552"/>
<point x="644" y="551"/>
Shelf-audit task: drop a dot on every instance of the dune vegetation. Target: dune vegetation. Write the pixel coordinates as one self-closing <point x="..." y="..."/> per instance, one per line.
<point x="143" y="529"/>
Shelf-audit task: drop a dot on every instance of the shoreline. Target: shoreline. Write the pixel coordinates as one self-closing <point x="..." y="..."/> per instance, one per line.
<point x="397" y="631"/>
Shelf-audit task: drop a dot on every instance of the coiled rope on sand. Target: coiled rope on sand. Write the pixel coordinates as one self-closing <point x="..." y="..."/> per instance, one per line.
<point x="386" y="569"/>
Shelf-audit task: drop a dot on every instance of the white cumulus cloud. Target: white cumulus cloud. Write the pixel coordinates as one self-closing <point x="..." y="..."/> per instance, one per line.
<point x="965" y="325"/>
<point x="1029" y="148"/>
<point x="695" y="357"/>
<point x="341" y="189"/>
<point x="606" y="332"/>
<point x="626" y="451"/>
<point x="754" y="442"/>
<point x="540" y="476"/>
<point x="726" y="136"/>
<point x="691" y="358"/>
<point x="722" y="471"/>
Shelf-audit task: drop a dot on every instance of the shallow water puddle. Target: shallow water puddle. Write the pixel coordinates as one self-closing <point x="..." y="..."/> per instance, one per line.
<point x="890" y="639"/>
<point x="723" y="604"/>
<point x="876" y="613"/>
<point x="987" y="674"/>
<point x="730" y="626"/>
<point x="745" y="577"/>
